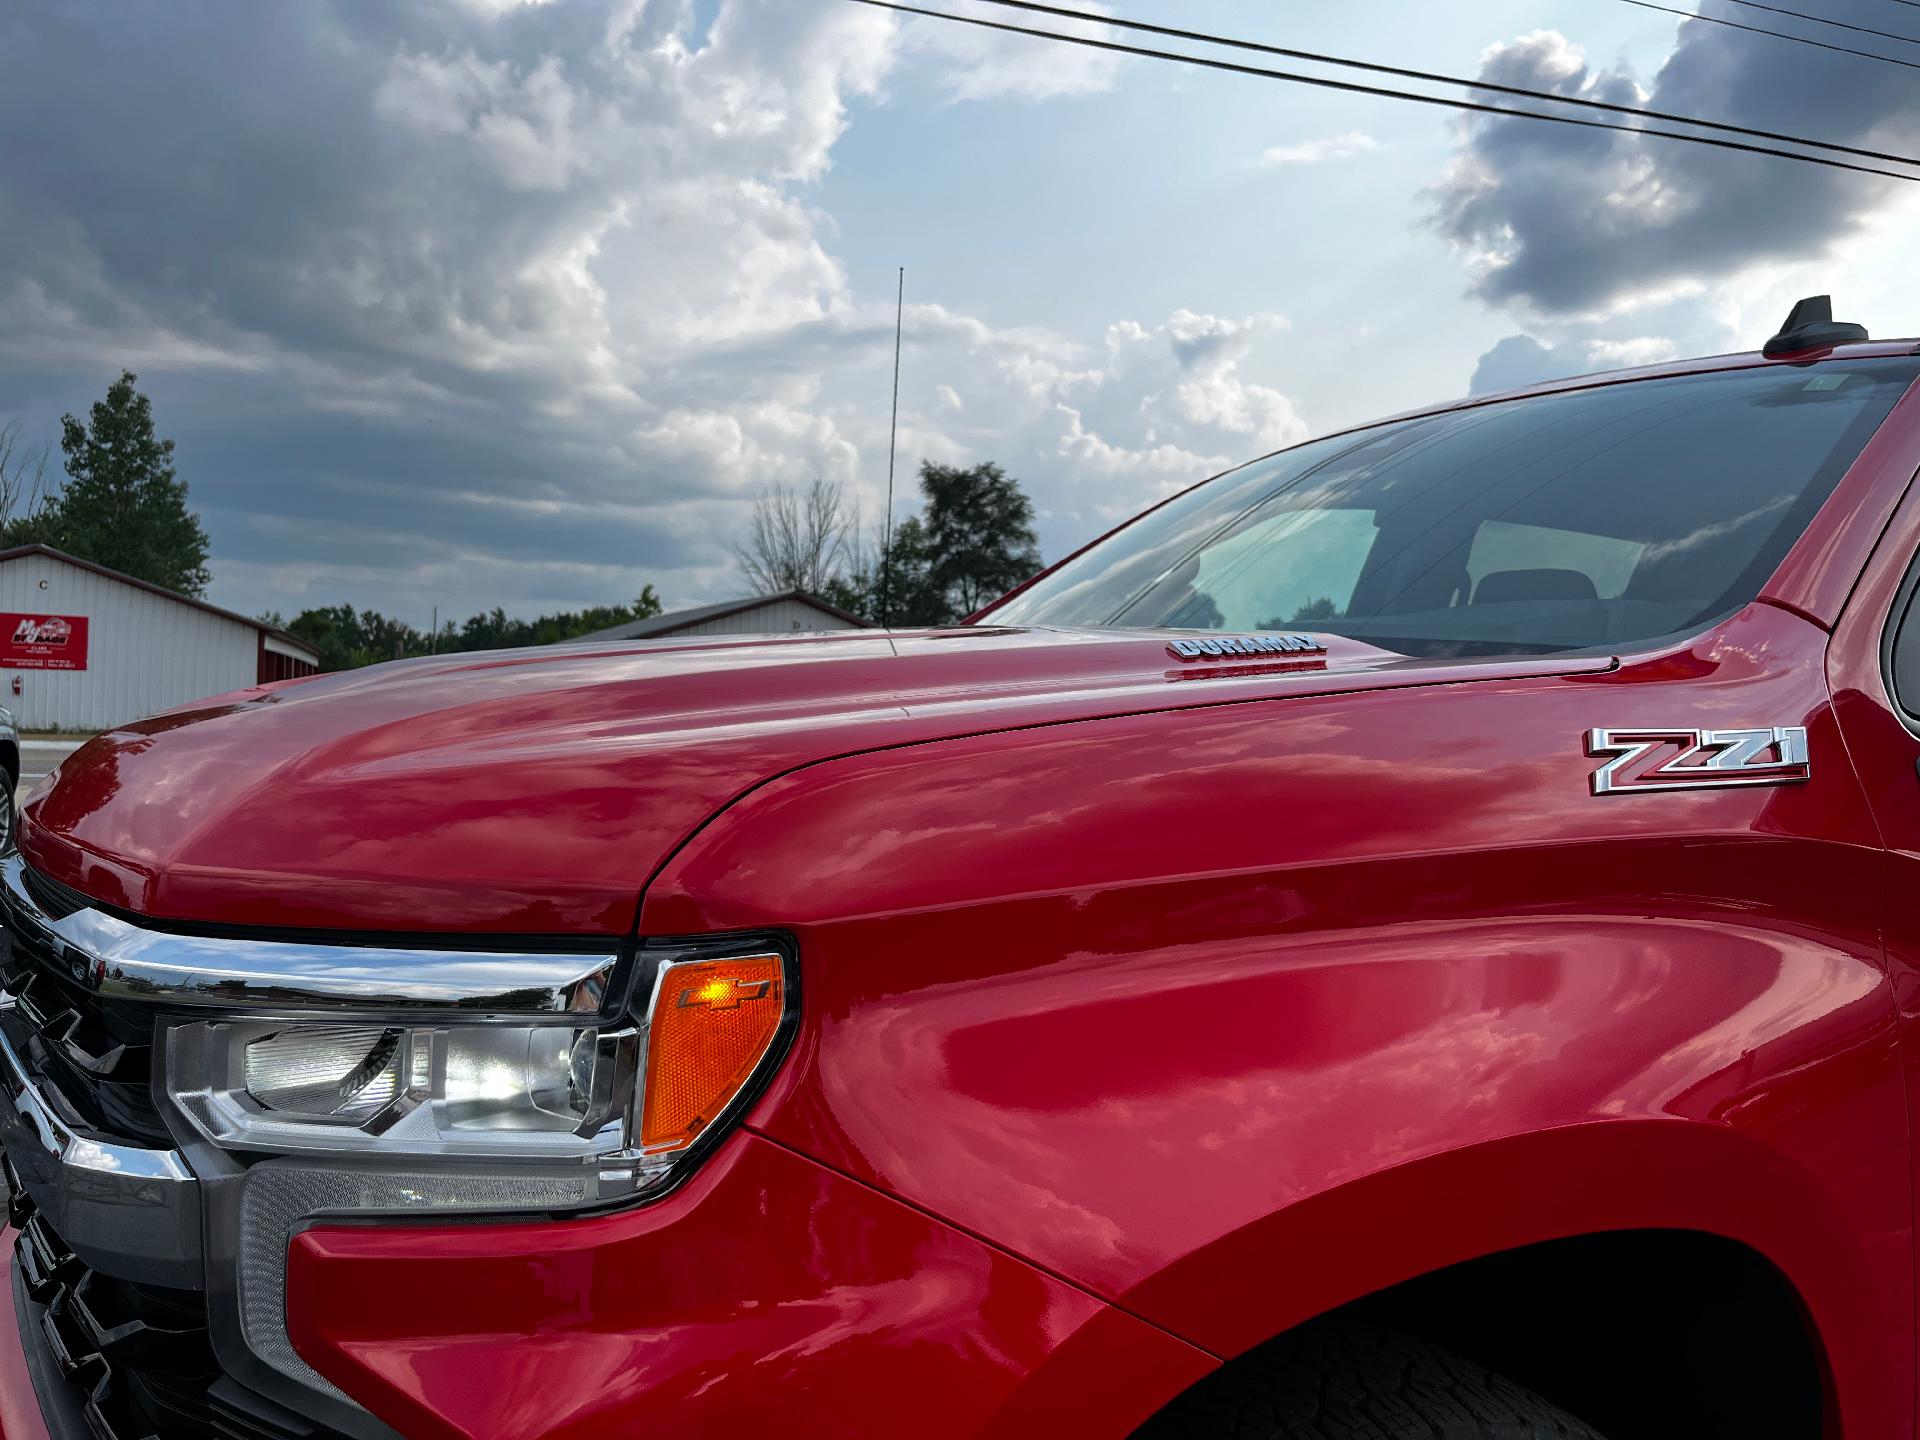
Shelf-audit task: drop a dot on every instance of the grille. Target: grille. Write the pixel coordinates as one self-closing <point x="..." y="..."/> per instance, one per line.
<point x="96" y="1054"/>
<point x="137" y="1356"/>
<point x="136" y="1360"/>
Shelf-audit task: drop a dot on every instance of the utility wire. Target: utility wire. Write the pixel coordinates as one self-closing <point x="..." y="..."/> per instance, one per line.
<point x="1777" y="34"/>
<point x="1823" y="20"/>
<point x="1439" y="79"/>
<point x="1354" y="88"/>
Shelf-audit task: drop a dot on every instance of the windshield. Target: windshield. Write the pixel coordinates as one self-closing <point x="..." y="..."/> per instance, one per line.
<point x="1586" y="518"/>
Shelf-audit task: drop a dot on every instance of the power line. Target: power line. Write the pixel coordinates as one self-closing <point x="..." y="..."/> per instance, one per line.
<point x="1439" y="79"/>
<point x="1777" y="34"/>
<point x="1354" y="88"/>
<point x="1823" y="20"/>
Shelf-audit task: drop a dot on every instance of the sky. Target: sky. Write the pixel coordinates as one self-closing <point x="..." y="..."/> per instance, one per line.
<point x="477" y="303"/>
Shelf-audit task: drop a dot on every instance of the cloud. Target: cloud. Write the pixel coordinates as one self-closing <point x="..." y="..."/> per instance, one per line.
<point x="1099" y="432"/>
<point x="469" y="304"/>
<point x="1521" y="360"/>
<point x="1625" y="354"/>
<point x="1517" y="361"/>
<point x="407" y="268"/>
<point x="1315" y="152"/>
<point x="1566" y="221"/>
<point x="973" y="63"/>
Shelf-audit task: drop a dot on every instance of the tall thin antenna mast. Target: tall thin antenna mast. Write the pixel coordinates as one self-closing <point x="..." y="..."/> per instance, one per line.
<point x="893" y="433"/>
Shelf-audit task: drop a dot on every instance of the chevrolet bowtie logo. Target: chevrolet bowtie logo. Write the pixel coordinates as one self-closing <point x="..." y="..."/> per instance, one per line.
<point x="724" y="994"/>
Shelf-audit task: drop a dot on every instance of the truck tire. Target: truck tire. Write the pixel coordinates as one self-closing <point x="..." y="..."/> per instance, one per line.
<point x="1354" y="1382"/>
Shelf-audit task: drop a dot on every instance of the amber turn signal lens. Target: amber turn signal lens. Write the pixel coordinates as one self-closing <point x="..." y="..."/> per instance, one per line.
<point x="713" y="1022"/>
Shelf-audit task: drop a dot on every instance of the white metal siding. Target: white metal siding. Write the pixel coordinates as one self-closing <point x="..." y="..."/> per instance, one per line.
<point x="144" y="651"/>
<point x="277" y="646"/>
<point x="774" y="618"/>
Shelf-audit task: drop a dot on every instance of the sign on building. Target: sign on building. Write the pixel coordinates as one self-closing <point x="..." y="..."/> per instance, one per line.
<point x="43" y="642"/>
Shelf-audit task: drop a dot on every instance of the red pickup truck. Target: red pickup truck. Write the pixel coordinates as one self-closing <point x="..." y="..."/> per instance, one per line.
<point x="1411" y="937"/>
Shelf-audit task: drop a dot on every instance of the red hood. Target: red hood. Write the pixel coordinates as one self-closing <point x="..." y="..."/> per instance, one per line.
<point x="536" y="791"/>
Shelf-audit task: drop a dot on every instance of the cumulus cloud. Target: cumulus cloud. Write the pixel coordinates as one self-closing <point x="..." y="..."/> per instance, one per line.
<point x="1521" y="360"/>
<point x="1567" y="221"/>
<point x="1316" y="152"/>
<point x="1101" y="431"/>
<point x="475" y="303"/>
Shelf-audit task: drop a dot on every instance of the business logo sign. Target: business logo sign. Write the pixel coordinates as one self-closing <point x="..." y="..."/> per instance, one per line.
<point x="1681" y="759"/>
<point x="43" y="642"/>
<point x="1232" y="647"/>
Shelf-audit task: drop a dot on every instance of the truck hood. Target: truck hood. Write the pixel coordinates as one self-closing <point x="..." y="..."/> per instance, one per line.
<point x="535" y="792"/>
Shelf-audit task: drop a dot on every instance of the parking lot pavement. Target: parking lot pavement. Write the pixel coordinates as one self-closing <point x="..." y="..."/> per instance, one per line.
<point x="37" y="757"/>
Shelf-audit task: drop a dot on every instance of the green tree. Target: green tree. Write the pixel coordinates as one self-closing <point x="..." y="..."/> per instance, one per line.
<point x="496" y="630"/>
<point x="347" y="638"/>
<point x="122" y="506"/>
<point x="974" y="542"/>
<point x="852" y="591"/>
<point x="977" y="542"/>
<point x="903" y="592"/>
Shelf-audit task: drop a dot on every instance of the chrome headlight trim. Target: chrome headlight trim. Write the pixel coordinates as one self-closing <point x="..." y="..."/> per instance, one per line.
<point x="127" y="961"/>
<point x="128" y="1208"/>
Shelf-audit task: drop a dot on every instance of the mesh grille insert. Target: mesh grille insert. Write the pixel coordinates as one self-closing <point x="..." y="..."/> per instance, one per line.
<point x="137" y="1356"/>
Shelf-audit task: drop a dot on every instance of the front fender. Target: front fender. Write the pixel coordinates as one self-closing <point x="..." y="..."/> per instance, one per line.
<point x="1395" y="1225"/>
<point x="1157" y="1001"/>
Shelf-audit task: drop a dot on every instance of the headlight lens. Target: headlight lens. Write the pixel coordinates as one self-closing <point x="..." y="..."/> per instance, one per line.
<point x="617" y="1103"/>
<point x="324" y="1071"/>
<point x="481" y="1089"/>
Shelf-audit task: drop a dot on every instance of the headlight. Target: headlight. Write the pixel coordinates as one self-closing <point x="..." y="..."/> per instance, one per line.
<point x="609" y="1108"/>
<point x="324" y="1112"/>
<point x="414" y="1089"/>
<point x="307" y="1080"/>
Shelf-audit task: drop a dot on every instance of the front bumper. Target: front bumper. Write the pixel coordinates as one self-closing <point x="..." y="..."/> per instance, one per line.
<point x="769" y="1295"/>
<point x="20" y="1413"/>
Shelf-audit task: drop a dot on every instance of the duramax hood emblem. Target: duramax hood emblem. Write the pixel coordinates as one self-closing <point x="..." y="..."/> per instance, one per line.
<point x="1228" y="646"/>
<point x="1699" y="759"/>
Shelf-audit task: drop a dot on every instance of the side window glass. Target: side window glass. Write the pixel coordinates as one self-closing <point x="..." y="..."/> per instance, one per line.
<point x="1904" y="668"/>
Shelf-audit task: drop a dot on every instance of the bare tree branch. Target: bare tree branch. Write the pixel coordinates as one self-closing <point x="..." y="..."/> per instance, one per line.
<point x="796" y="541"/>
<point x="23" y="475"/>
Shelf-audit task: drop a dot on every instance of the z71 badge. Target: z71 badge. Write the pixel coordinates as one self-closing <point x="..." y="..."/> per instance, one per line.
<point x="1699" y="759"/>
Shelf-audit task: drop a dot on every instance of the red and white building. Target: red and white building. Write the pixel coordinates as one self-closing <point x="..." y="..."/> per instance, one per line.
<point x="83" y="647"/>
